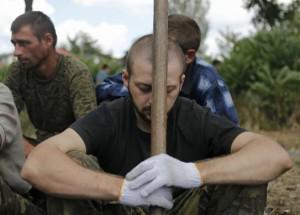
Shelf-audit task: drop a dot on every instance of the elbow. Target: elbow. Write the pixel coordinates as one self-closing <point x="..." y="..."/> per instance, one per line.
<point x="287" y="162"/>
<point x="29" y="173"/>
<point x="279" y="159"/>
<point x="284" y="162"/>
<point x="37" y="168"/>
<point x="32" y="171"/>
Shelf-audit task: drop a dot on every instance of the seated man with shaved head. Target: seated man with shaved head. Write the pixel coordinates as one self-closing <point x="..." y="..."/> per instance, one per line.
<point x="203" y="149"/>
<point x="202" y="82"/>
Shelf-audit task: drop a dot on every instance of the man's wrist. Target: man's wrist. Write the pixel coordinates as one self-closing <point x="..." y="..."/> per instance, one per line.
<point x="117" y="192"/>
<point x="110" y="186"/>
<point x="201" y="168"/>
<point x="121" y="190"/>
<point x="194" y="177"/>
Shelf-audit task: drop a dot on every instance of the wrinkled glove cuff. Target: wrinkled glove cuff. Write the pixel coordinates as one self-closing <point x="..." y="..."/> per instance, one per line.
<point x="126" y="196"/>
<point x="193" y="176"/>
<point x="121" y="193"/>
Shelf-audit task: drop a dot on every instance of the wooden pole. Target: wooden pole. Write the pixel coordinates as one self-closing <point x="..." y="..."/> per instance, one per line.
<point x="160" y="66"/>
<point x="28" y="5"/>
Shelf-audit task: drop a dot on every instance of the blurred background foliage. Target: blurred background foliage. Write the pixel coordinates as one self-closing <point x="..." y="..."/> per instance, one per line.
<point x="85" y="48"/>
<point x="262" y="69"/>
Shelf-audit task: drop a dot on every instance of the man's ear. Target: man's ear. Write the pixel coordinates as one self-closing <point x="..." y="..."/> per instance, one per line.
<point x="125" y="77"/>
<point x="190" y="55"/>
<point x="182" y="77"/>
<point x="48" y="39"/>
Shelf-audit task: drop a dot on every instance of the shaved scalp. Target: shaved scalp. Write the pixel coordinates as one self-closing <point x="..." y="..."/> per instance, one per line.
<point x="141" y="49"/>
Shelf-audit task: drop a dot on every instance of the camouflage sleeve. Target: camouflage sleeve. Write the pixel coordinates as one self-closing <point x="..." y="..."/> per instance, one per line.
<point x="14" y="80"/>
<point x="82" y="89"/>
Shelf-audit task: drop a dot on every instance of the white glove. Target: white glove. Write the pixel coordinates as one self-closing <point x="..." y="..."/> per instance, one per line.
<point x="163" y="170"/>
<point x="161" y="197"/>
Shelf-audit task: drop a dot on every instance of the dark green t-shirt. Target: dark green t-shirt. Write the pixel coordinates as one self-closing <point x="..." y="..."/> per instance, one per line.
<point x="194" y="133"/>
<point x="53" y="105"/>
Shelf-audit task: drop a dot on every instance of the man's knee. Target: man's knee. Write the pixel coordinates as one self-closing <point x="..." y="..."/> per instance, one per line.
<point x="7" y="196"/>
<point x="2" y="194"/>
<point x="13" y="203"/>
<point x="238" y="199"/>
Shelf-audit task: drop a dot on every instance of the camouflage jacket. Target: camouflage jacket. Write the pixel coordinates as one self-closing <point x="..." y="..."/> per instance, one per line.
<point x="52" y="105"/>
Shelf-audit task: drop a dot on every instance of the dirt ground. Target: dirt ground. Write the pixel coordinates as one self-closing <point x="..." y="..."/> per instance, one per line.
<point x="284" y="192"/>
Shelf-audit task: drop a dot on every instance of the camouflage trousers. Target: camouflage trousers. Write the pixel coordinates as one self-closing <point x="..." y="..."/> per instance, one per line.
<point x="208" y="200"/>
<point x="12" y="203"/>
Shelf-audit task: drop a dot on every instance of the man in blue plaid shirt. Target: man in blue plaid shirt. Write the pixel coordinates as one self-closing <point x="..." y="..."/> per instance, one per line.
<point x="202" y="82"/>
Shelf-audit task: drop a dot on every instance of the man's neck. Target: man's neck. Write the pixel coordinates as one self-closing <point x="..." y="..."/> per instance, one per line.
<point x="48" y="69"/>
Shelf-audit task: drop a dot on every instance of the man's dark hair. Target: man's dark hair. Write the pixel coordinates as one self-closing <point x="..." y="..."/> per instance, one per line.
<point x="39" y="22"/>
<point x="185" y="31"/>
<point x="104" y="66"/>
<point x="142" y="47"/>
<point x="216" y="62"/>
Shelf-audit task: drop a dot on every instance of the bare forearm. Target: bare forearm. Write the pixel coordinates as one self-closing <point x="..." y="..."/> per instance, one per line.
<point x="260" y="161"/>
<point x="51" y="171"/>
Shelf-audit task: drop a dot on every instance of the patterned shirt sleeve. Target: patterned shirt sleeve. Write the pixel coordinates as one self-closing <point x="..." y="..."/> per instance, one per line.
<point x="14" y="80"/>
<point x="82" y="89"/>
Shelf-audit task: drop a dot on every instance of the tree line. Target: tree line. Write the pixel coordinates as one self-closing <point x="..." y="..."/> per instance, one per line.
<point x="262" y="69"/>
